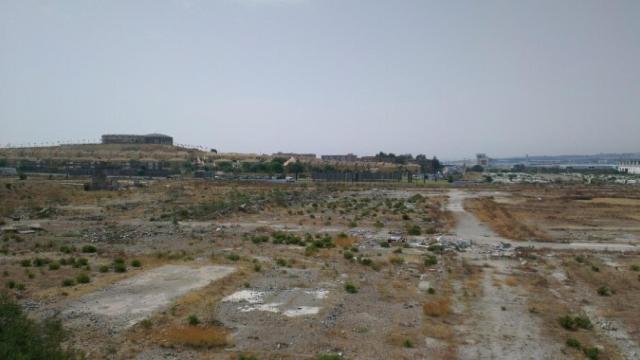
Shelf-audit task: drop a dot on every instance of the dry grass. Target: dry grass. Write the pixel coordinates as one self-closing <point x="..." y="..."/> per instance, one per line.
<point x="436" y="308"/>
<point x="504" y="222"/>
<point x="511" y="281"/>
<point x="195" y="336"/>
<point x="346" y="242"/>
<point x="438" y="331"/>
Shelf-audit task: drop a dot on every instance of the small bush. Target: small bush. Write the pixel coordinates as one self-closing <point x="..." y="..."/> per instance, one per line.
<point x="68" y="282"/>
<point x="350" y="288"/>
<point x="65" y="249"/>
<point x="257" y="267"/>
<point x="408" y="343"/>
<point x="136" y="263"/>
<point x="119" y="268"/>
<point x="431" y="291"/>
<point x="146" y="323"/>
<point x="10" y="284"/>
<point x="83" y="279"/>
<point x="348" y="255"/>
<point x="103" y="269"/>
<point x="574" y="323"/>
<point x="25" y="262"/>
<point x="54" y="265"/>
<point x="281" y="262"/>
<point x="89" y="249"/>
<point x="118" y="261"/>
<point x="430" y="260"/>
<point x="635" y="267"/>
<point x="193" y="320"/>
<point x="592" y="353"/>
<point x="20" y="287"/>
<point x="396" y="260"/>
<point x="573" y="343"/>
<point x="384" y="244"/>
<point x="233" y="257"/>
<point x="414" y="230"/>
<point x="604" y="291"/>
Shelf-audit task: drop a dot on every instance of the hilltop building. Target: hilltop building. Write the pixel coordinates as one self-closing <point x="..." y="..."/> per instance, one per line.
<point x="346" y="158"/>
<point x="137" y="139"/>
<point x="629" y="167"/>
<point x="295" y="155"/>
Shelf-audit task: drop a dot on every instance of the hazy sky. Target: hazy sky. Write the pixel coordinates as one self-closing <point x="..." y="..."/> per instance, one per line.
<point x="449" y="78"/>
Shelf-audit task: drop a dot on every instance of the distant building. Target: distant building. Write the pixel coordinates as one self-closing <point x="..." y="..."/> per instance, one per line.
<point x="308" y="156"/>
<point x="629" y="167"/>
<point x="137" y="139"/>
<point x="344" y="158"/>
<point x="482" y="160"/>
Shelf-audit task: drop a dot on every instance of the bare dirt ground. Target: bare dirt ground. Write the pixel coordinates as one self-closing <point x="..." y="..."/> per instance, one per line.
<point x="203" y="269"/>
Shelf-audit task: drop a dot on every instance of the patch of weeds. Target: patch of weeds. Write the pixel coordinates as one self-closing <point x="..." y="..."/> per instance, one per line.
<point x="193" y="320"/>
<point x="257" y="267"/>
<point x="146" y="323"/>
<point x="83" y="279"/>
<point x="592" y="353"/>
<point x="573" y="343"/>
<point x="384" y="244"/>
<point x="397" y="250"/>
<point x="431" y="260"/>
<point x="329" y="357"/>
<point x="604" y="291"/>
<point x="119" y="267"/>
<point x="10" y="284"/>
<point x="54" y="265"/>
<point x="438" y="249"/>
<point x="68" y="282"/>
<point x="408" y="343"/>
<point x="431" y="291"/>
<point x="396" y="260"/>
<point x="282" y="262"/>
<point x="20" y="287"/>
<point x="350" y="288"/>
<point x="25" y="262"/>
<point x="574" y="323"/>
<point x="414" y="230"/>
<point x="635" y="267"/>
<point x="348" y="255"/>
<point x="595" y="268"/>
<point x="103" y="269"/>
<point x="580" y="259"/>
<point x="136" y="263"/>
<point x="89" y="249"/>
<point x="66" y="249"/>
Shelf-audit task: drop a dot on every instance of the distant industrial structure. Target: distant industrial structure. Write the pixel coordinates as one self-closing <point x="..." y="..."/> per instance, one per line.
<point x="345" y="158"/>
<point x="629" y="167"/>
<point x="137" y="139"/>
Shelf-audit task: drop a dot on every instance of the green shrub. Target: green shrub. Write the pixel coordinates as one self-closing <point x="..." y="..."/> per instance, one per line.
<point x="89" y="249"/>
<point x="635" y="267"/>
<point x="384" y="244"/>
<point x="25" y="262"/>
<point x="54" y="265"/>
<point x="414" y="230"/>
<point x="348" y="255"/>
<point x="329" y="357"/>
<point x="281" y="262"/>
<point x="233" y="257"/>
<point x="193" y="320"/>
<point x="118" y="261"/>
<point x="83" y="279"/>
<point x="65" y="249"/>
<point x="68" y="282"/>
<point x="24" y="338"/>
<point x="20" y="287"/>
<point x="592" y="353"/>
<point x="430" y="260"/>
<point x="103" y="269"/>
<point x="431" y="291"/>
<point x="604" y="291"/>
<point x="366" y="261"/>
<point x="573" y="343"/>
<point x="10" y="284"/>
<point x="119" y="268"/>
<point x="574" y="323"/>
<point x="136" y="263"/>
<point x="350" y="288"/>
<point x="408" y="343"/>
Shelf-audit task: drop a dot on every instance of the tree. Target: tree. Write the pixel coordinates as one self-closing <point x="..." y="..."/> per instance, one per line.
<point x="23" y="338"/>
<point x="296" y="168"/>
